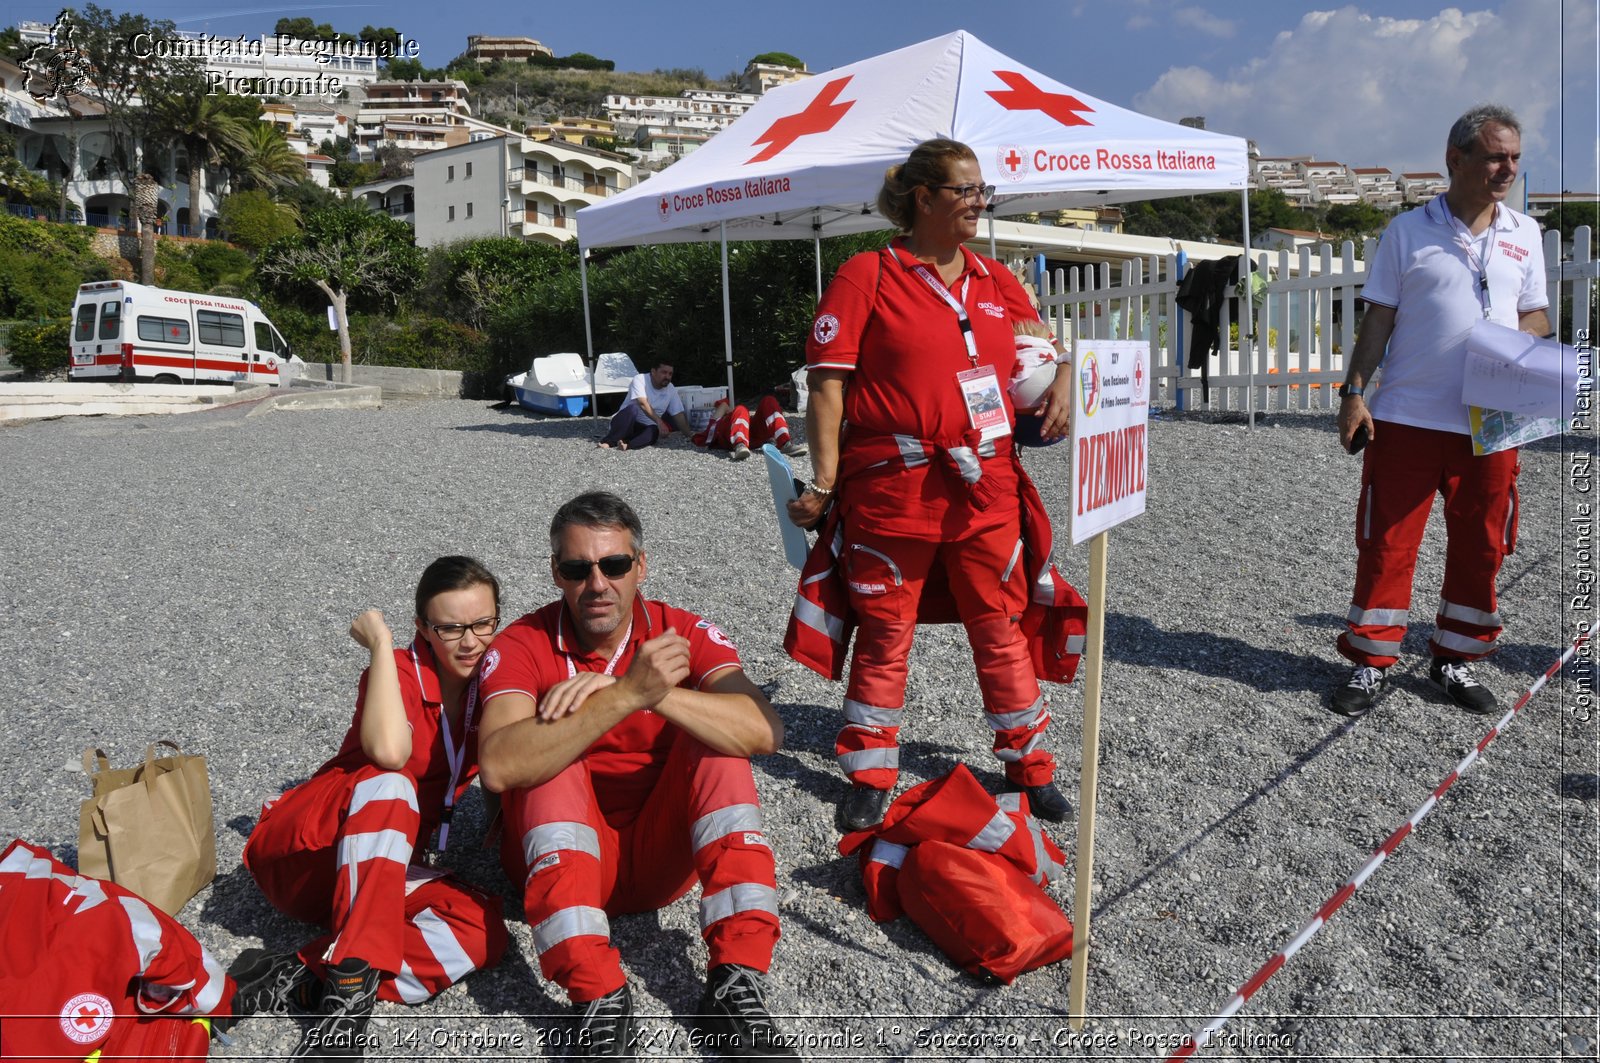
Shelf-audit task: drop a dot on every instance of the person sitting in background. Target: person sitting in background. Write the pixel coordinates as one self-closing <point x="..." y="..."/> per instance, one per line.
<point x="341" y="849"/>
<point x="652" y="401"/>
<point x="731" y="429"/>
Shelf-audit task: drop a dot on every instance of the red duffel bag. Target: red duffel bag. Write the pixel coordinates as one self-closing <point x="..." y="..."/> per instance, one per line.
<point x="982" y="910"/>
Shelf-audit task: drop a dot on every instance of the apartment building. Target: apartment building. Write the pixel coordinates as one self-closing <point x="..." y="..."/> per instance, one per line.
<point x="419" y="115"/>
<point x="506" y="185"/>
<point x="662" y="128"/>
<point x="1419" y="187"/>
<point x="485" y="49"/>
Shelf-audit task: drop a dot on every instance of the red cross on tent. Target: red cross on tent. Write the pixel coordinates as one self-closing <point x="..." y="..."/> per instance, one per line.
<point x="1024" y="95"/>
<point x="819" y="116"/>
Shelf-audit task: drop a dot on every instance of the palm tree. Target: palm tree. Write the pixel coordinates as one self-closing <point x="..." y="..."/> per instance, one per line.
<point x="146" y="204"/>
<point x="204" y="125"/>
<point x="265" y="160"/>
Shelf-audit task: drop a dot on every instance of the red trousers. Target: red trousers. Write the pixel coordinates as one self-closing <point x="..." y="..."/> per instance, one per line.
<point x="886" y="577"/>
<point x="1404" y="468"/>
<point x="336" y="851"/>
<point x="736" y="427"/>
<point x="577" y="868"/>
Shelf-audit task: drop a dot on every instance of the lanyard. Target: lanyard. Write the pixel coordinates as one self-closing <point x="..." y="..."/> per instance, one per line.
<point x="1469" y="244"/>
<point x="611" y="665"/>
<point x="455" y="753"/>
<point x="953" y="303"/>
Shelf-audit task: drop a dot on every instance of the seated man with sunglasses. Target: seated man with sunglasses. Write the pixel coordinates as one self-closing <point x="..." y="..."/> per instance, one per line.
<point x="619" y="731"/>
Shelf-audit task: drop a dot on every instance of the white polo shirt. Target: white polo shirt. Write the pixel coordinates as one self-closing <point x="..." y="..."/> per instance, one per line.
<point x="1428" y="269"/>
<point x="664" y="401"/>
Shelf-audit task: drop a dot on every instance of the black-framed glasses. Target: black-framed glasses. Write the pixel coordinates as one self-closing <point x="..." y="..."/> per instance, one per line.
<point x="614" y="566"/>
<point x="970" y="193"/>
<point x="456" y="632"/>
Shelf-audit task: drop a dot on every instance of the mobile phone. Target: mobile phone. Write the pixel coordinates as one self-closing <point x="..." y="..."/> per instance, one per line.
<point x="1359" y="440"/>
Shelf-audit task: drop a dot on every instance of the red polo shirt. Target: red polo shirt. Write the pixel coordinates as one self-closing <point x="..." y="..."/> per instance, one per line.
<point x="902" y="344"/>
<point x="538" y="651"/>
<point x="429" y="765"/>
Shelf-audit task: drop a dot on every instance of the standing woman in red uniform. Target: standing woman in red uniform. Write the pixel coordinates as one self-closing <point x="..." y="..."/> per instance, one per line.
<point x="912" y="347"/>
<point x="347" y="848"/>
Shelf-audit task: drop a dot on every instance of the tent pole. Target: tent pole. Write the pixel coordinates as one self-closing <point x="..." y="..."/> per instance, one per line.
<point x="588" y="332"/>
<point x="1247" y="324"/>
<point x="816" y="241"/>
<point x="993" y="253"/>
<point x="727" y="313"/>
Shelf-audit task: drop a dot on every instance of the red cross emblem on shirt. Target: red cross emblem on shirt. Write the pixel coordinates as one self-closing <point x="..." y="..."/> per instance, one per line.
<point x="820" y="115"/>
<point x="1021" y="94"/>
<point x="86" y="1017"/>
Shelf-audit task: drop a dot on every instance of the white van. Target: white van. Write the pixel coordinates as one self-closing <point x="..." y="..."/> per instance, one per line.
<point x="134" y="332"/>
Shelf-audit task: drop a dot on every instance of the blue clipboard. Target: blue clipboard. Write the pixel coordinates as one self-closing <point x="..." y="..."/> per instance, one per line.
<point x="781" y="474"/>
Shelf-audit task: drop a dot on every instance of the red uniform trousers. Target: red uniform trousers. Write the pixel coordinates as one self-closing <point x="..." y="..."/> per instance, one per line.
<point x="736" y="427"/>
<point x="886" y="576"/>
<point x="337" y="850"/>
<point x="578" y="867"/>
<point x="1403" y="469"/>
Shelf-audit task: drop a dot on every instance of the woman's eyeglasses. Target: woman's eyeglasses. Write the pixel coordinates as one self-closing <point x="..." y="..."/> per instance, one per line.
<point x="971" y="193"/>
<point x="613" y="567"/>
<point x="455" y="632"/>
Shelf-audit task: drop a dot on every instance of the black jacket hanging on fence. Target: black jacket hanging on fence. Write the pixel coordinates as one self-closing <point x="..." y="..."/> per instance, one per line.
<point x="1201" y="293"/>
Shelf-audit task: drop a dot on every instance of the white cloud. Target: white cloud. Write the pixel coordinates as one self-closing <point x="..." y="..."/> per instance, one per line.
<point x="1376" y="91"/>
<point x="1140" y="22"/>
<point x="1199" y="19"/>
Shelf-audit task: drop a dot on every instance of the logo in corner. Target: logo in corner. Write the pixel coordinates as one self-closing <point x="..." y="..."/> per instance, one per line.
<point x="1013" y="162"/>
<point x="86" y="1018"/>
<point x="1090" y="385"/>
<point x="491" y="661"/>
<point x="825" y="329"/>
<point x="56" y="68"/>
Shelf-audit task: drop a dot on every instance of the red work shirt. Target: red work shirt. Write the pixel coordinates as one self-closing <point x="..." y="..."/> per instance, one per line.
<point x="429" y="765"/>
<point x="902" y="344"/>
<point x="538" y="651"/>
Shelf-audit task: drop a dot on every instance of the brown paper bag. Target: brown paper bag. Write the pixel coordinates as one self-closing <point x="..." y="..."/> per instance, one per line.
<point x="149" y="828"/>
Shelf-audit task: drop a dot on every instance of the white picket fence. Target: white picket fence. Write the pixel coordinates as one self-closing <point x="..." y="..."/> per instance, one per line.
<point x="1305" y="321"/>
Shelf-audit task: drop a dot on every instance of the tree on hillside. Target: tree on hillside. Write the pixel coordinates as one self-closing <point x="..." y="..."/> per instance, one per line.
<point x="203" y="124"/>
<point x="468" y="279"/>
<point x="265" y="160"/>
<point x="304" y="28"/>
<point x="253" y="219"/>
<point x="343" y="252"/>
<point x="779" y="59"/>
<point x="120" y="81"/>
<point x="1355" y="220"/>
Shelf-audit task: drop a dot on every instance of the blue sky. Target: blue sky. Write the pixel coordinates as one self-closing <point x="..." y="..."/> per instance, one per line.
<point x="1368" y="84"/>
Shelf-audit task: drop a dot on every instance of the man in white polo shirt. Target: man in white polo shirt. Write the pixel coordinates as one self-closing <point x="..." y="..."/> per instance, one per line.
<point x="643" y="418"/>
<point x="1462" y="257"/>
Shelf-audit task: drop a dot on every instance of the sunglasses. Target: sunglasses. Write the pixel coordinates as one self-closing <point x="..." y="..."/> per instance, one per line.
<point x="613" y="567"/>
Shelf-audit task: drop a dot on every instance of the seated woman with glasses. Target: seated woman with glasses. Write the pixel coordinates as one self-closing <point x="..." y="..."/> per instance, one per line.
<point x="347" y="849"/>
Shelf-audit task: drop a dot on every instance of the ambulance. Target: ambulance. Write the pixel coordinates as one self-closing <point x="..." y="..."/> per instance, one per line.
<point x="134" y="332"/>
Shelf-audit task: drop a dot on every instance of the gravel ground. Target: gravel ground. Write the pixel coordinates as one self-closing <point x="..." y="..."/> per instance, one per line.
<point x="191" y="577"/>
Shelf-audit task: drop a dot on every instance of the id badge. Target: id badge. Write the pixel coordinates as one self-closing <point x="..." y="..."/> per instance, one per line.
<point x="986" y="408"/>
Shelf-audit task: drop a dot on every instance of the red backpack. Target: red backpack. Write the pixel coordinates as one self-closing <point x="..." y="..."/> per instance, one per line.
<point x="969" y="871"/>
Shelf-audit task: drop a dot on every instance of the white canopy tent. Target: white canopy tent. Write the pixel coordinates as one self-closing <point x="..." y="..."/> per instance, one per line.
<point x="808" y="159"/>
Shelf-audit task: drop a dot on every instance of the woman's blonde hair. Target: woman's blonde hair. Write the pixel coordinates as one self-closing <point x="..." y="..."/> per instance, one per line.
<point x="928" y="164"/>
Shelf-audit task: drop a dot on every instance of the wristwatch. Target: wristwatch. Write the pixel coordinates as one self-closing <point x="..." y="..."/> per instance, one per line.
<point x="1347" y="390"/>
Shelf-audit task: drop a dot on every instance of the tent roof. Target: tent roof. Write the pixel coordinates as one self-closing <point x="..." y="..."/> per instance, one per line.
<point x="810" y="156"/>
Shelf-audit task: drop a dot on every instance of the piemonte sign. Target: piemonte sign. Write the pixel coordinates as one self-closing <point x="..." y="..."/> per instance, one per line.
<point x="814" y="151"/>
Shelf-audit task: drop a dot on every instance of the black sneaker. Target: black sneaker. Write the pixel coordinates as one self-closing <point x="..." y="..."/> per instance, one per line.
<point x="1452" y="677"/>
<point x="862" y="807"/>
<point x="734" y="1015"/>
<point x="347" y="1002"/>
<point x="1358" y="695"/>
<point x="1044" y="801"/>
<point x="273" y="983"/>
<point x="606" y="1029"/>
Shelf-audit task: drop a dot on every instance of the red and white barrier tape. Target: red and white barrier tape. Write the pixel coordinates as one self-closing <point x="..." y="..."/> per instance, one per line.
<point x="1187" y="1047"/>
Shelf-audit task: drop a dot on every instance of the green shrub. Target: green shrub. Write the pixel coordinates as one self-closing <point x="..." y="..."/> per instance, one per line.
<point x="37" y="349"/>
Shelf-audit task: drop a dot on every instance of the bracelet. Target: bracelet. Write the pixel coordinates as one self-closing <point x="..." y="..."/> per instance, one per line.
<point x="822" y="492"/>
